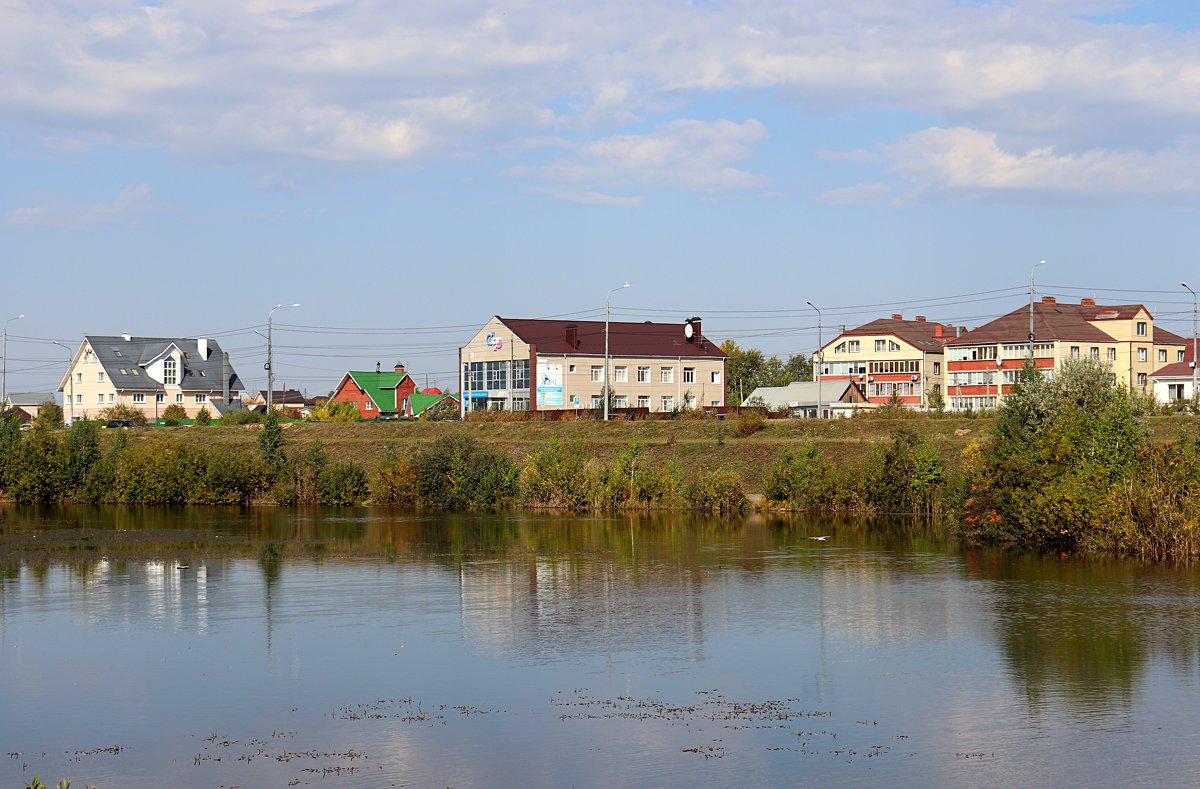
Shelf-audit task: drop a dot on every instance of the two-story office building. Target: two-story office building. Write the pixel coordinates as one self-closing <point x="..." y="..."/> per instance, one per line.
<point x="525" y="364"/>
<point x="984" y="364"/>
<point x="889" y="358"/>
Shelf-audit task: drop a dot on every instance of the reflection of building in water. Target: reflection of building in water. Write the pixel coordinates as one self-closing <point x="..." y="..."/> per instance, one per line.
<point x="556" y="604"/>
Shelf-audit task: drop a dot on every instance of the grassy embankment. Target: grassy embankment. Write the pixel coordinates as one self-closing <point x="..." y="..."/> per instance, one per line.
<point x="696" y="444"/>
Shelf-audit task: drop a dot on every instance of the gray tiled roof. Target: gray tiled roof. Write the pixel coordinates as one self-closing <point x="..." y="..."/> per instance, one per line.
<point x="30" y="398"/>
<point x="803" y="392"/>
<point x="199" y="374"/>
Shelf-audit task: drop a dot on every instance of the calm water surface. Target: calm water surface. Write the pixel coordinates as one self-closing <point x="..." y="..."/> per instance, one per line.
<point x="366" y="648"/>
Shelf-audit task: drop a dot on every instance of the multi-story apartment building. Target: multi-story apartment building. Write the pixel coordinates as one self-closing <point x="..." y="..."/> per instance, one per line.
<point x="149" y="374"/>
<point x="889" y="358"/>
<point x="524" y="364"/>
<point x="984" y="364"/>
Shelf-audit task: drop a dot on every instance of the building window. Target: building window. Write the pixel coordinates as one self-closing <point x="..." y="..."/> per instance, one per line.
<point x="621" y="401"/>
<point x="368" y="406"/>
<point x="667" y="403"/>
<point x="1162" y="354"/>
<point x="1074" y="351"/>
<point x="1141" y="354"/>
<point x="1112" y="354"/>
<point x="880" y="345"/>
<point x="643" y="374"/>
<point x="597" y="374"/>
<point x="621" y="374"/>
<point x="79" y="398"/>
<point x="643" y="401"/>
<point x="100" y="398"/>
<point x="78" y="378"/>
<point x="893" y="346"/>
<point x="571" y="368"/>
<point x="1094" y="352"/>
<point x="160" y="398"/>
<point x="1179" y="356"/>
<point x="597" y="401"/>
<point x="1141" y="379"/>
<point x="179" y="398"/>
<point x="520" y="375"/>
<point x="112" y="397"/>
<point x="170" y="371"/>
<point x="201" y="398"/>
<point x="715" y="403"/>
<point x="839" y="348"/>
<point x="89" y="357"/>
<point x="1141" y="329"/>
<point x="666" y="375"/>
<point x="1175" y="391"/>
<point x="139" y="397"/>
<point x="716" y="377"/>
<point x="852" y="346"/>
<point x="99" y="378"/>
<point x="689" y="375"/>
<point x="937" y="368"/>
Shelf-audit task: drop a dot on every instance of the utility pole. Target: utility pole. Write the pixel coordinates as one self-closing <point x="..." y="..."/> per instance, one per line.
<point x="70" y="378"/>
<point x="1035" y="268"/>
<point x="1194" y="333"/>
<point x="4" y="385"/>
<point x="270" y="367"/>
<point x="819" y="355"/>
<point x="606" y="310"/>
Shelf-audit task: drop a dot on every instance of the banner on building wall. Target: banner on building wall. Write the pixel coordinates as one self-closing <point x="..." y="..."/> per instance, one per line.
<point x="549" y="384"/>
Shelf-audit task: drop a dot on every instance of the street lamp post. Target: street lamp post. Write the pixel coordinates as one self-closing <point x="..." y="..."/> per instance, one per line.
<point x="820" y="355"/>
<point x="70" y="379"/>
<point x="1035" y="268"/>
<point x="270" y="367"/>
<point x="606" y="310"/>
<point x="4" y="385"/>
<point x="1194" y="359"/>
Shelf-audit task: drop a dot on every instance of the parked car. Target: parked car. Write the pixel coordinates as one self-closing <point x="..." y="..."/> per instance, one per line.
<point x="27" y="425"/>
<point x="121" y="423"/>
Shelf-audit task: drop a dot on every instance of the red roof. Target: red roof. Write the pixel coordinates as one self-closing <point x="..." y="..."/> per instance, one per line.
<point x="1177" y="369"/>
<point x="920" y="334"/>
<point x="432" y="390"/>
<point x="1053" y="321"/>
<point x="624" y="339"/>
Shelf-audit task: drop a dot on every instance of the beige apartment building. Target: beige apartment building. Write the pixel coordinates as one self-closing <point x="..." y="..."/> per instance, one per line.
<point x="984" y="364"/>
<point x="890" y="359"/>
<point x="149" y="374"/>
<point x="524" y="364"/>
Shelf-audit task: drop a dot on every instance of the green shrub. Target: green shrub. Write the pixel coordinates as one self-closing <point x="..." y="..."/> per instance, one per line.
<point x="800" y="479"/>
<point x="331" y="411"/>
<point x="230" y="478"/>
<point x="455" y="473"/>
<point x="49" y="416"/>
<point x="174" y="413"/>
<point x="342" y="484"/>
<point x="204" y="416"/>
<point x="271" y="441"/>
<point x="554" y="476"/>
<point x="748" y="422"/>
<point x="395" y="482"/>
<point x="123" y="411"/>
<point x="905" y="476"/>
<point x="718" y="491"/>
<point x="240" y="416"/>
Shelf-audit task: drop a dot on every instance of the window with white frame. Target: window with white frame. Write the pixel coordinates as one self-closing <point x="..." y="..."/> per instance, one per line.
<point x="937" y="368"/>
<point x="369" y="406"/>
<point x="1074" y="352"/>
<point x="839" y="348"/>
<point x="715" y="403"/>
<point x="880" y="345"/>
<point x="1141" y="354"/>
<point x="1112" y="354"/>
<point x="170" y="371"/>
<point x="78" y="398"/>
<point x="100" y="398"/>
<point x="201" y="398"/>
<point x="1141" y="379"/>
<point x="643" y="375"/>
<point x="621" y="401"/>
<point x="716" y="376"/>
<point x="597" y="401"/>
<point x="78" y="378"/>
<point x="666" y="375"/>
<point x="89" y="357"/>
<point x="99" y="378"/>
<point x="666" y="403"/>
<point x="597" y="373"/>
<point x="160" y="398"/>
<point x="1094" y="352"/>
<point x="893" y="346"/>
<point x="139" y="397"/>
<point x="621" y="374"/>
<point x="689" y="375"/>
<point x="179" y="398"/>
<point x="1141" y="328"/>
<point x="1179" y="355"/>
<point x="852" y="346"/>
<point x="643" y="401"/>
<point x="112" y="397"/>
<point x="1162" y="354"/>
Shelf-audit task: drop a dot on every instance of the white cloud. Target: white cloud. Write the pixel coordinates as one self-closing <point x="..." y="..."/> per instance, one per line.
<point x="859" y="194"/>
<point x="963" y="159"/>
<point x="691" y="155"/>
<point x="73" y="213"/>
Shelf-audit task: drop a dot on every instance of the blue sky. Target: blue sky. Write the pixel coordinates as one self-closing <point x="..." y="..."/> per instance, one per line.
<point x="405" y="171"/>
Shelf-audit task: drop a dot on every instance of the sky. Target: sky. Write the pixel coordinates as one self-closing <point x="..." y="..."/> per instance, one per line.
<point x="404" y="171"/>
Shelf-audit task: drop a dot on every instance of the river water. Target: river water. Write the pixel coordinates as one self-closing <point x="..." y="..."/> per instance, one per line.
<point x="220" y="648"/>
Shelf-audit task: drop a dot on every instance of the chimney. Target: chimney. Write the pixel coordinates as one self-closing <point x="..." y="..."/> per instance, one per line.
<point x="127" y="337"/>
<point x="1087" y="302"/>
<point x="695" y="324"/>
<point x="572" y="336"/>
<point x="399" y="368"/>
<point x="897" y="316"/>
<point x="938" y="329"/>
<point x="202" y="347"/>
<point x="921" y="318"/>
<point x="1049" y="300"/>
<point x="225" y="378"/>
<point x="958" y="331"/>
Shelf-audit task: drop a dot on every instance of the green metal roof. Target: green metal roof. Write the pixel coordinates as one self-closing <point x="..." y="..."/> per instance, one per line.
<point x="420" y="402"/>
<point x="380" y="387"/>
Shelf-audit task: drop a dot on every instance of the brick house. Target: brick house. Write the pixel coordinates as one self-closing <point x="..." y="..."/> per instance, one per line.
<point x="377" y="394"/>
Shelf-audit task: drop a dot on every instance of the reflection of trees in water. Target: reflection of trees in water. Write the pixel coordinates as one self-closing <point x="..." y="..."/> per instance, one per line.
<point x="1087" y="631"/>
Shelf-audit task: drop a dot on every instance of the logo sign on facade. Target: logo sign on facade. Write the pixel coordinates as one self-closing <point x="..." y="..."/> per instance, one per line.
<point x="491" y="339"/>
<point x="549" y="384"/>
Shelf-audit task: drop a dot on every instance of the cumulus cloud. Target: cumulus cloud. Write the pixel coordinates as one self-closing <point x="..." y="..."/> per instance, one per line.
<point x="686" y="154"/>
<point x="74" y="213"/>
